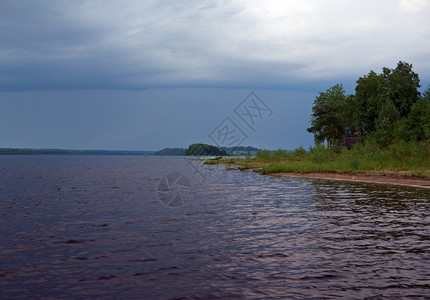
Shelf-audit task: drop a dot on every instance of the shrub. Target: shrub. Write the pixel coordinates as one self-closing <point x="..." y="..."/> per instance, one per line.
<point x="300" y="150"/>
<point x="263" y="155"/>
<point x="279" y="155"/>
<point x="320" y="153"/>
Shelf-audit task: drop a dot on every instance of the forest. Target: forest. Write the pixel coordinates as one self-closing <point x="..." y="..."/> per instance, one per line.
<point x="384" y="127"/>
<point x="386" y="107"/>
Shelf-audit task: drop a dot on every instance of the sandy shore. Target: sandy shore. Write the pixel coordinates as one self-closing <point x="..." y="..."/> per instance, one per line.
<point x="388" y="177"/>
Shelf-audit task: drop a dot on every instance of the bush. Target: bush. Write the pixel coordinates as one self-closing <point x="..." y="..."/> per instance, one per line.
<point x="300" y="150"/>
<point x="383" y="132"/>
<point x="320" y="153"/>
<point x="263" y="155"/>
<point x="279" y="155"/>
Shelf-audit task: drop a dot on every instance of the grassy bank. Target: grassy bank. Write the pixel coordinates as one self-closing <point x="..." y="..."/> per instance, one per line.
<point x="407" y="159"/>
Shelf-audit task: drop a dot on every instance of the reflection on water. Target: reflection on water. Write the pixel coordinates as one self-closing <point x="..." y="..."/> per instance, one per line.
<point x="82" y="226"/>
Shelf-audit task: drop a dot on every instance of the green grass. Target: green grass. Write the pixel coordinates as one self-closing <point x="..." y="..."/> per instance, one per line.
<point x="413" y="157"/>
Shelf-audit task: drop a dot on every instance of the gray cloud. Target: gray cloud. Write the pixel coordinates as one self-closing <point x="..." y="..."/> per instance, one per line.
<point x="143" y="44"/>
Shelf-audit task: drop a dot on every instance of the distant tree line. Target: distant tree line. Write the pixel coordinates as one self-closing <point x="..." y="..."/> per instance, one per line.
<point x="171" y="151"/>
<point x="202" y="149"/>
<point x="242" y="148"/>
<point x="386" y="107"/>
<point x="205" y="150"/>
<point x="25" y="151"/>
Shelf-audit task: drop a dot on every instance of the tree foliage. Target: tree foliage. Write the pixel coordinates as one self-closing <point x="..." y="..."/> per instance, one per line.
<point x="327" y="122"/>
<point x="204" y="149"/>
<point x="388" y="106"/>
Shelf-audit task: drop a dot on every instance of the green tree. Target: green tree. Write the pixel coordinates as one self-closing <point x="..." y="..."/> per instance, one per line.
<point x="327" y="123"/>
<point x="385" y="105"/>
<point x="385" y="124"/>
<point x="368" y="98"/>
<point x="426" y="95"/>
<point x="204" y="149"/>
<point x="350" y="112"/>
<point x="374" y="91"/>
<point x="417" y="124"/>
<point x="426" y="116"/>
<point x="385" y="100"/>
<point x="403" y="84"/>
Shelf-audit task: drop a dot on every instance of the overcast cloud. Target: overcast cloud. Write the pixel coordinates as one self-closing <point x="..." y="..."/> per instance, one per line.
<point x="251" y="44"/>
<point x="144" y="75"/>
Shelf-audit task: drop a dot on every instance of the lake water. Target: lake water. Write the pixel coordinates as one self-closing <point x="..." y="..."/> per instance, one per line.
<point x="104" y="227"/>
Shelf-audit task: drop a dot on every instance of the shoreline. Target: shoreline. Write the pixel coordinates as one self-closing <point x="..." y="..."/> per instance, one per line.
<point x="401" y="178"/>
<point x="417" y="182"/>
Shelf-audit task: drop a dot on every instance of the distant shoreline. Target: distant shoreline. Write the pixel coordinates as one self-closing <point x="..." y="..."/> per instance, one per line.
<point x="235" y="151"/>
<point x="29" y="151"/>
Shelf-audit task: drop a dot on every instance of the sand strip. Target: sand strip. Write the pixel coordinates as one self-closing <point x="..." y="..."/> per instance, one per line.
<point x="388" y="179"/>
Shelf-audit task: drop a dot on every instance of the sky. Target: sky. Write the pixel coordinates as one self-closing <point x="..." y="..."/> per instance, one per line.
<point x="145" y="75"/>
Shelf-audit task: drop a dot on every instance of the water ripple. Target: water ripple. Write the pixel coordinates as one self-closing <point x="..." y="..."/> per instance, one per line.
<point x="92" y="227"/>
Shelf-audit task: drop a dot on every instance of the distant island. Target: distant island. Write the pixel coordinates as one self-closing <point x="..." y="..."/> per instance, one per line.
<point x="204" y="149"/>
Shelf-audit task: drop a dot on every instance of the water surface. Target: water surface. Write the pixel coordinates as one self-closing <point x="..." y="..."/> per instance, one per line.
<point x="94" y="227"/>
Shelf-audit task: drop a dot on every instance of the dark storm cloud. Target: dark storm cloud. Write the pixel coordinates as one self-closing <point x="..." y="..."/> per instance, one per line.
<point x="51" y="45"/>
<point x="253" y="44"/>
<point x="92" y="74"/>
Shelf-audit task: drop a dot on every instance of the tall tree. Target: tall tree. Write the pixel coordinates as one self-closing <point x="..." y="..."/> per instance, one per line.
<point x="385" y="105"/>
<point x="417" y="125"/>
<point x="374" y="91"/>
<point x="368" y="96"/>
<point x="426" y="117"/>
<point x="326" y="120"/>
<point x="385" y="124"/>
<point x="403" y="84"/>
